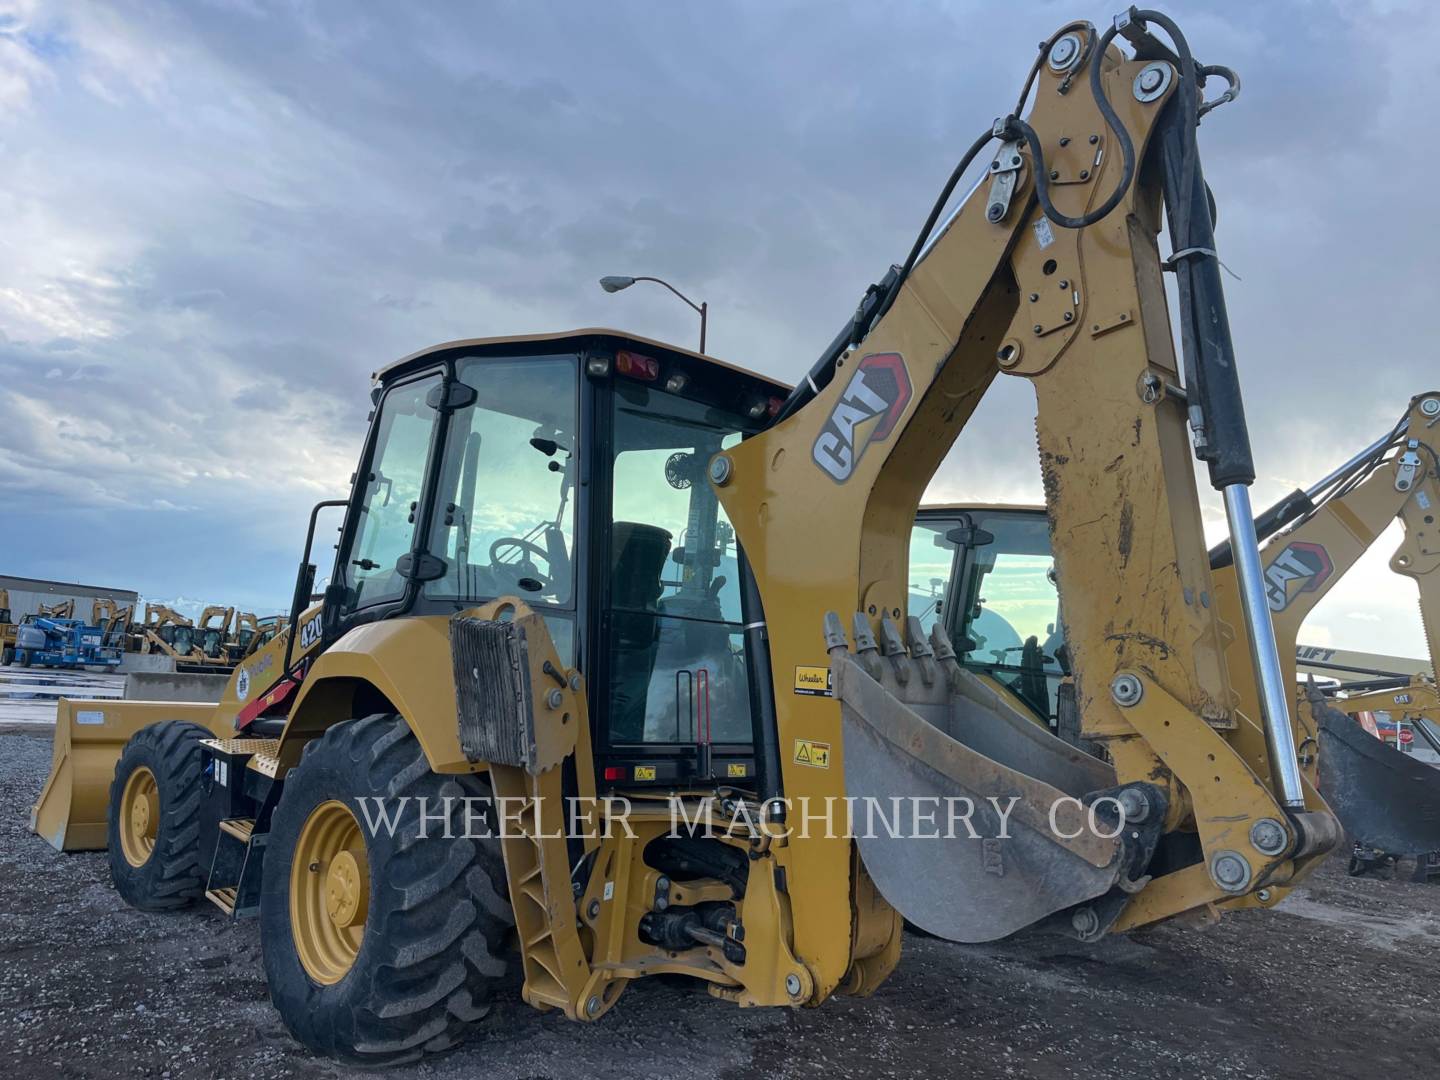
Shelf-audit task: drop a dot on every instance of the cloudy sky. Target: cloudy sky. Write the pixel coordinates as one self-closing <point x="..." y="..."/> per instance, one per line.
<point x="216" y="218"/>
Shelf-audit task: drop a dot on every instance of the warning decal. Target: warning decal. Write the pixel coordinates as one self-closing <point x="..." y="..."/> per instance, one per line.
<point x="814" y="681"/>
<point x="814" y="754"/>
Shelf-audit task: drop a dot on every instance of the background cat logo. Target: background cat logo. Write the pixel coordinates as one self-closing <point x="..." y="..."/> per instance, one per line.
<point x="878" y="391"/>
<point x="1301" y="567"/>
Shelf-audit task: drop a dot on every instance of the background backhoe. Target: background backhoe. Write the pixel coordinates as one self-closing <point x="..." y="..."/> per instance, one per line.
<point x="614" y="628"/>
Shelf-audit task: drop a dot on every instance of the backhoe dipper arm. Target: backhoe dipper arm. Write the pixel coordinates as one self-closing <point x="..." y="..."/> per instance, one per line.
<point x="1051" y="274"/>
<point x="1329" y="526"/>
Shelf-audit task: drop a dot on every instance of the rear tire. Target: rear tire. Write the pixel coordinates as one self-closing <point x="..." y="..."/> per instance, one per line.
<point x="154" y="848"/>
<point x="6" y="655"/>
<point x="22" y="657"/>
<point x="433" y="936"/>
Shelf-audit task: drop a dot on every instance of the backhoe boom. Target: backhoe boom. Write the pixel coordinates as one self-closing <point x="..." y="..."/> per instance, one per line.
<point x="1037" y="278"/>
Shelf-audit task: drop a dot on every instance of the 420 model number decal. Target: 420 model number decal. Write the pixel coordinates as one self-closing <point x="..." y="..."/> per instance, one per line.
<point x="310" y="632"/>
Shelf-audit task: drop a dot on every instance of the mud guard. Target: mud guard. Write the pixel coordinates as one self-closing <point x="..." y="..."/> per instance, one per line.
<point x="1384" y="798"/>
<point x="918" y="726"/>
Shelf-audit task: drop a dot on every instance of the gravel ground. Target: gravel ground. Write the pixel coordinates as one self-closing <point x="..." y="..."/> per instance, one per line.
<point x="1341" y="981"/>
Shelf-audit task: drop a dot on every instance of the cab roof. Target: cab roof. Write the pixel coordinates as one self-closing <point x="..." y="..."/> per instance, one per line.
<point x="572" y="339"/>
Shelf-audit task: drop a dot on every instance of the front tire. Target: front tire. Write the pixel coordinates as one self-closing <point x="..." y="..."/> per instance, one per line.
<point x="153" y="826"/>
<point x="381" y="944"/>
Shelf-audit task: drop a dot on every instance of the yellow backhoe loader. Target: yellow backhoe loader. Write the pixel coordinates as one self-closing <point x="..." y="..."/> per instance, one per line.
<point x="114" y="622"/>
<point x="212" y="636"/>
<point x="63" y="609"/>
<point x="611" y="662"/>
<point x="247" y="628"/>
<point x="167" y="631"/>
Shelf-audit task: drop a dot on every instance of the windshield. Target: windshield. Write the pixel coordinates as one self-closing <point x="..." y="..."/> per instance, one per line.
<point x="677" y="652"/>
<point x="1010" y="586"/>
<point x="504" y="511"/>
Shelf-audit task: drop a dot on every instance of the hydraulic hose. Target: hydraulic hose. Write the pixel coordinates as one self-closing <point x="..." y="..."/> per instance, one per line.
<point x="1112" y="121"/>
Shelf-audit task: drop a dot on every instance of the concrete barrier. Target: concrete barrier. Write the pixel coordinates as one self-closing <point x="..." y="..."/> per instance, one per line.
<point x="173" y="686"/>
<point x="146" y="662"/>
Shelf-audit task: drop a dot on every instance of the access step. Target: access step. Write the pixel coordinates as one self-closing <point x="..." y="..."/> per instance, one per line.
<point x="240" y="792"/>
<point x="224" y="898"/>
<point x="241" y="827"/>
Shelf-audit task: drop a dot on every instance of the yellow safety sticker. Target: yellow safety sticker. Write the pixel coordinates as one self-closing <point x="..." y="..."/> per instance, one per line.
<point x="737" y="768"/>
<point x="644" y="772"/>
<point x="812" y="753"/>
<point x="812" y="681"/>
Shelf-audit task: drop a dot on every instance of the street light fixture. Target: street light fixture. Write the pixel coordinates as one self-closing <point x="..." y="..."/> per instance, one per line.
<point x="614" y="283"/>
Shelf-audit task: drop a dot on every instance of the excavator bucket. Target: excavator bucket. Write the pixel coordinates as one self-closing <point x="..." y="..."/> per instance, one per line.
<point x="89" y="736"/>
<point x="1385" y="799"/>
<point x="1013" y="843"/>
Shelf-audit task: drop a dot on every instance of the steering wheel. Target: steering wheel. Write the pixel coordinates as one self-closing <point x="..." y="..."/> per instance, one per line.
<point x="525" y="567"/>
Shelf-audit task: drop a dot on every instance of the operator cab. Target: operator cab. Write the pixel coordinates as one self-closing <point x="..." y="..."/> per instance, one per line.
<point x="569" y="471"/>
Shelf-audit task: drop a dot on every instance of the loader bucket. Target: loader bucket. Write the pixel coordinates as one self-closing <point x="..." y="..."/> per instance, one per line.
<point x="1385" y="798"/>
<point x="918" y="726"/>
<point x="89" y="736"/>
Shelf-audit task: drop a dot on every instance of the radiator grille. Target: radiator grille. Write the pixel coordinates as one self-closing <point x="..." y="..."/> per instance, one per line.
<point x="492" y="691"/>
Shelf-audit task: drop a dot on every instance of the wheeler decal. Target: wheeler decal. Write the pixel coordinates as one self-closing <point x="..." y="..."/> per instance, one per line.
<point x="813" y="681"/>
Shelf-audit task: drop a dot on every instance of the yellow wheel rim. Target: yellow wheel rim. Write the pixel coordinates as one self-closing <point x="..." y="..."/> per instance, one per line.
<point x="329" y="892"/>
<point x="139" y="816"/>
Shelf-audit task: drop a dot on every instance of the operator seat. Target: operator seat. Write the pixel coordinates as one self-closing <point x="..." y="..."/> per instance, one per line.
<point x="557" y="562"/>
<point x="637" y="558"/>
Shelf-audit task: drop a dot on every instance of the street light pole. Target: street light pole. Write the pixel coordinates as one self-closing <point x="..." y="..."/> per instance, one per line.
<point x="613" y="284"/>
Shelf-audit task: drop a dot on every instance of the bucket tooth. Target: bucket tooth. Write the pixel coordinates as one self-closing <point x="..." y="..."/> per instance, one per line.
<point x="920" y="649"/>
<point x="866" y="651"/>
<point x="993" y="863"/>
<point x="945" y="655"/>
<point x="894" y="649"/>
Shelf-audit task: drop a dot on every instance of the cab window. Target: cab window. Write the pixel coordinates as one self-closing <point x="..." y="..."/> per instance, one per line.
<point x="393" y="487"/>
<point x="504" y="513"/>
<point x="675" y="641"/>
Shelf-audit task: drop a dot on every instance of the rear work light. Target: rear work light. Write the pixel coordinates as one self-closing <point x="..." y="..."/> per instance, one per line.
<point x="635" y="366"/>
